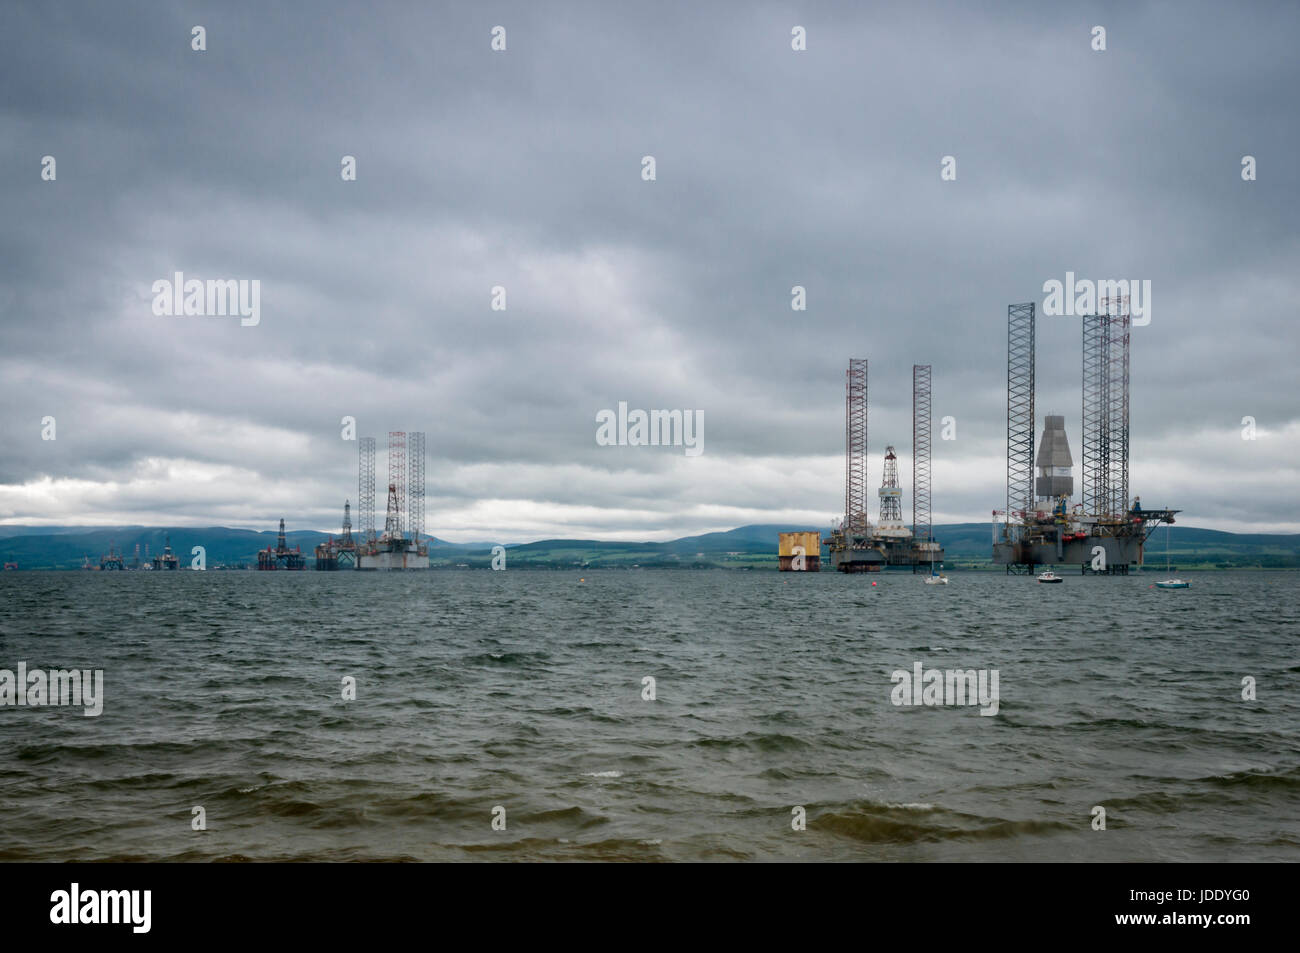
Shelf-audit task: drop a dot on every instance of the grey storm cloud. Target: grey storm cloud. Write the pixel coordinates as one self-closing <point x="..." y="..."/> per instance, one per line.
<point x="522" y="169"/>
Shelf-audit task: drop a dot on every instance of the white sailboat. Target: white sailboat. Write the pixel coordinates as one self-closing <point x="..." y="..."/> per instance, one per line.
<point x="935" y="578"/>
<point x="1171" y="583"/>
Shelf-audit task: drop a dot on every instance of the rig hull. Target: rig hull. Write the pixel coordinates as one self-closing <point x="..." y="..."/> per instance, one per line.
<point x="850" y="562"/>
<point x="1102" y="547"/>
<point x="1120" y="553"/>
<point x="872" y="553"/>
<point x="385" y="562"/>
<point x="858" y="556"/>
<point x="391" y="556"/>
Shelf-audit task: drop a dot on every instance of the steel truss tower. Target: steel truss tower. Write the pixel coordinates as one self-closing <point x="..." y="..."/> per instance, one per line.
<point x="1106" y="350"/>
<point x="415" y="514"/>
<point x="1096" y="391"/>
<point x="921" y="451"/>
<point x="1020" y="409"/>
<point x="1117" y="422"/>
<point x="1020" y="416"/>
<point x="855" y="446"/>
<point x="394" y="521"/>
<point x="891" y="505"/>
<point x="366" y="488"/>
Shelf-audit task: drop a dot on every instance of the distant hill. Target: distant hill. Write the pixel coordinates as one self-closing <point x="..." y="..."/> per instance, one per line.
<point x="966" y="546"/>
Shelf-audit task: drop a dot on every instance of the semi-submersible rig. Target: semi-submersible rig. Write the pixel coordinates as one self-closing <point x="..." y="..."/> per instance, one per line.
<point x="1105" y="532"/>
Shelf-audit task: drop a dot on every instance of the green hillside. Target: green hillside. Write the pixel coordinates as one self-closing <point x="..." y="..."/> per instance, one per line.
<point x="966" y="546"/>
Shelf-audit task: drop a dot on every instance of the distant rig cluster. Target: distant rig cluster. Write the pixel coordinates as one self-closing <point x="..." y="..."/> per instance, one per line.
<point x="113" y="561"/>
<point x="402" y="545"/>
<point x="1104" y="533"/>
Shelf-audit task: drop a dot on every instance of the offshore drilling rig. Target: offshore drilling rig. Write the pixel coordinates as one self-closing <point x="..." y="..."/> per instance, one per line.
<point x="341" y="553"/>
<point x="112" y="560"/>
<point x="282" y="557"/>
<point x="1104" y="533"/>
<point x="856" y="545"/>
<point x="402" y="544"/>
<point x="168" y="560"/>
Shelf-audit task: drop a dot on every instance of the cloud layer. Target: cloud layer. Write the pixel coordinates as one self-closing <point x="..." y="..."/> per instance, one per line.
<point x="522" y="169"/>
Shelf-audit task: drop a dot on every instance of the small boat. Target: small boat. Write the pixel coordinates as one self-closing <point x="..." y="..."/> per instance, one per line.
<point x="938" y="579"/>
<point x="1171" y="583"/>
<point x="1049" y="576"/>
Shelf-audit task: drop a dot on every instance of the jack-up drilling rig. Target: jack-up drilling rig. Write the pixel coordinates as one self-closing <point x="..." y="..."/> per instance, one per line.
<point x="402" y="545"/>
<point x="1104" y="533"/>
<point x="856" y="545"/>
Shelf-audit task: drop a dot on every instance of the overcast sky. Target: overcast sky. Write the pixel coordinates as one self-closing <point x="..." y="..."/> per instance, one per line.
<point x="523" y="169"/>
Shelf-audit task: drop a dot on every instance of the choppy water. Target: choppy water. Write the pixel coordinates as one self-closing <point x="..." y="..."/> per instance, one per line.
<point x="524" y="690"/>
